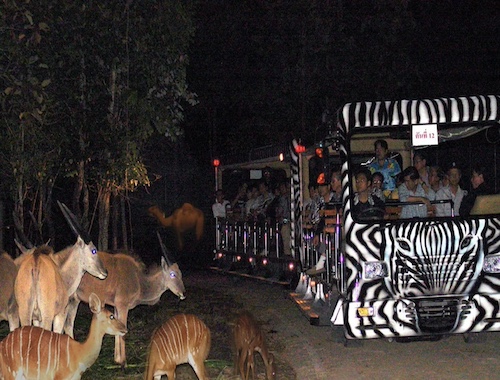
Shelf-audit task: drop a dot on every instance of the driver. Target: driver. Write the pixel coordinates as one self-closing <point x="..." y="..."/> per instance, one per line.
<point x="366" y="204"/>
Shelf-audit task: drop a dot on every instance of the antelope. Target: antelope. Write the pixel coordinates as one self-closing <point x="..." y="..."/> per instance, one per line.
<point x="127" y="286"/>
<point x="45" y="281"/>
<point x="184" y="338"/>
<point x="248" y="338"/>
<point x="183" y="219"/>
<point x="8" y="305"/>
<point x="34" y="353"/>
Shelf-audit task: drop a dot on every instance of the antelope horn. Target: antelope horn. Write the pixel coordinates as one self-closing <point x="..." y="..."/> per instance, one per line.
<point x="24" y="241"/>
<point x="164" y="250"/>
<point x="73" y="223"/>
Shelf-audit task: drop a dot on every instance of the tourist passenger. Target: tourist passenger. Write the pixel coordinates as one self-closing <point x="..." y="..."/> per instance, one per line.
<point x="252" y="194"/>
<point x="420" y="163"/>
<point x="451" y="192"/>
<point x="221" y="205"/>
<point x="366" y="205"/>
<point x="436" y="176"/>
<point x="283" y="215"/>
<point x="413" y="191"/>
<point x="389" y="167"/>
<point x="479" y="187"/>
<point x="263" y="200"/>
<point x="336" y="186"/>
<point x="239" y="201"/>
<point x="377" y="181"/>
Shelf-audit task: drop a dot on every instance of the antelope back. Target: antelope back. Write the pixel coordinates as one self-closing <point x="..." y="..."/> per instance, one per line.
<point x="34" y="353"/>
<point x="182" y="339"/>
<point x="172" y="276"/>
<point x="39" y="290"/>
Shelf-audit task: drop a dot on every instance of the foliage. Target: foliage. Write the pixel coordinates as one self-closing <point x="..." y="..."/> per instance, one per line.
<point x="84" y="85"/>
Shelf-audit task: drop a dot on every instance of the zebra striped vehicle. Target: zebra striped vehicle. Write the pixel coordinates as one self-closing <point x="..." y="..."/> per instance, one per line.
<point x="421" y="276"/>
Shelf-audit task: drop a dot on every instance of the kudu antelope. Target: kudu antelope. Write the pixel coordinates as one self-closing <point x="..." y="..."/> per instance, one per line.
<point x="8" y="305"/>
<point x="184" y="338"/>
<point x="248" y="338"/>
<point x="127" y="286"/>
<point x="185" y="218"/>
<point x="45" y="280"/>
<point x="34" y="353"/>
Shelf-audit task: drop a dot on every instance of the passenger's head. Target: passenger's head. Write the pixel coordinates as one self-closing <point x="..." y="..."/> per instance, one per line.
<point x="435" y="176"/>
<point x="478" y="176"/>
<point x="419" y="160"/>
<point x="377" y="180"/>
<point x="263" y="187"/>
<point x="335" y="181"/>
<point x="313" y="190"/>
<point x="381" y="148"/>
<point x="363" y="180"/>
<point x="410" y="177"/>
<point x="454" y="175"/>
<point x="219" y="195"/>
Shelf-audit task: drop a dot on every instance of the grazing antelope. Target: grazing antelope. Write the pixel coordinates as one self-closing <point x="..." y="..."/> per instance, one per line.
<point x="34" y="353"/>
<point x="248" y="338"/>
<point x="8" y="305"/>
<point x="45" y="280"/>
<point x="127" y="286"/>
<point x="183" y="219"/>
<point x="184" y="338"/>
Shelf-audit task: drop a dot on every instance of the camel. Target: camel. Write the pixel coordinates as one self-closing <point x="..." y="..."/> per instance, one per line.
<point x="183" y="219"/>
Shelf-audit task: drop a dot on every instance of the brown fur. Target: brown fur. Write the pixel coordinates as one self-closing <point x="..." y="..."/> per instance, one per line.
<point x="248" y="338"/>
<point x="8" y="305"/>
<point x="40" y="291"/>
<point x="126" y="286"/>
<point x="45" y="282"/>
<point x="182" y="339"/>
<point x="35" y="353"/>
<point x="184" y="219"/>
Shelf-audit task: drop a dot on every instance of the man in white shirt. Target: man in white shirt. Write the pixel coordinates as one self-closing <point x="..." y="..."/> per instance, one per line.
<point x="219" y="208"/>
<point x="451" y="192"/>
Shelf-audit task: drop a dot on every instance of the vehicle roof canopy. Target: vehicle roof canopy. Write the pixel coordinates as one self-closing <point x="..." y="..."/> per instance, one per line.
<point x="467" y="109"/>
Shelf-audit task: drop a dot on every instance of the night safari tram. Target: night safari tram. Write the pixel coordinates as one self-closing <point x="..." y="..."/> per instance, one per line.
<point x="385" y="276"/>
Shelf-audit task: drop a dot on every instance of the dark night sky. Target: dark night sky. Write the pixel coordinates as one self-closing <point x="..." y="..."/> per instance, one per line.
<point x="257" y="80"/>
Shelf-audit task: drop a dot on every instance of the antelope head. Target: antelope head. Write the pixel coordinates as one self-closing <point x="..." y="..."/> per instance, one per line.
<point x="87" y="251"/>
<point x="171" y="273"/>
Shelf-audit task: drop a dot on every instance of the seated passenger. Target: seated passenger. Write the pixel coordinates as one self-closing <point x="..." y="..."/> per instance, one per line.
<point x="221" y="205"/>
<point x="377" y="182"/>
<point x="411" y="190"/>
<point x="479" y="187"/>
<point x="366" y="205"/>
<point x="389" y="167"/>
<point x="451" y="192"/>
<point x="436" y="176"/>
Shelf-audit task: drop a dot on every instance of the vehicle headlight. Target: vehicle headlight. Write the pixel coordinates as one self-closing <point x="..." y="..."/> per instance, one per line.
<point x="374" y="270"/>
<point x="491" y="264"/>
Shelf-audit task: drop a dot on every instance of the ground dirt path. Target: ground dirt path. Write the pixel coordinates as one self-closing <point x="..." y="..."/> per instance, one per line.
<point x="306" y="352"/>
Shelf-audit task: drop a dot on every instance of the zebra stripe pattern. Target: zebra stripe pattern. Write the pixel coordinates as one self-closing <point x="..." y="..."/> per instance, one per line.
<point x="435" y="282"/>
<point x="295" y="202"/>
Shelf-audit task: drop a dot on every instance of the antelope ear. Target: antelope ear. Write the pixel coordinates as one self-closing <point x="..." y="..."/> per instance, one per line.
<point x="94" y="303"/>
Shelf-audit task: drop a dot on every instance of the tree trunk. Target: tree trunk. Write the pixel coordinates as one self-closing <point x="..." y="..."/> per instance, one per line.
<point x="124" y="223"/>
<point x="104" y="201"/>
<point x="114" y="223"/>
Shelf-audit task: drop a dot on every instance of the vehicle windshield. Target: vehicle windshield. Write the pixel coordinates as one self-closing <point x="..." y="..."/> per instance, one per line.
<point x="458" y="177"/>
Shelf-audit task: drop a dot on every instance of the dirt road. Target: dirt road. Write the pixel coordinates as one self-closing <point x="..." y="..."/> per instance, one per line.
<point x="308" y="352"/>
